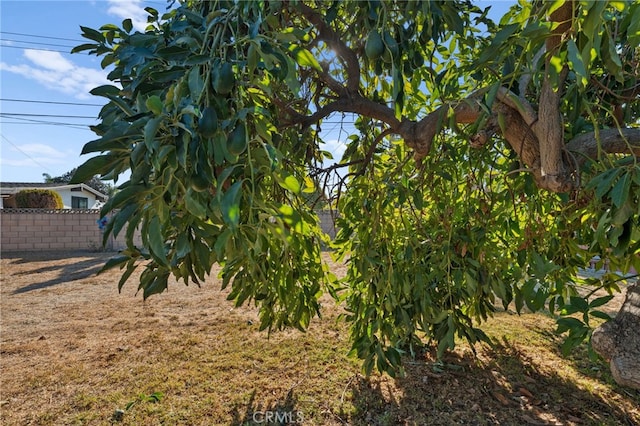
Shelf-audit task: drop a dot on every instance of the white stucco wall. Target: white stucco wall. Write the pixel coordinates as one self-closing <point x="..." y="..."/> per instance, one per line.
<point x="66" y="194"/>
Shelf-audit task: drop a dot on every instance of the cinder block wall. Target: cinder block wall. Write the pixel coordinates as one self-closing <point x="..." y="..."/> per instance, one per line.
<point x="40" y="230"/>
<point x="72" y="229"/>
<point x="327" y="223"/>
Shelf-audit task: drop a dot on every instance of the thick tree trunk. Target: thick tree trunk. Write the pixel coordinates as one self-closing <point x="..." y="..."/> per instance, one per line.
<point x="618" y="341"/>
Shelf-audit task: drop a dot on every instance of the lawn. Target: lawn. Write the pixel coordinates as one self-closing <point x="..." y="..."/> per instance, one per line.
<point x="74" y="351"/>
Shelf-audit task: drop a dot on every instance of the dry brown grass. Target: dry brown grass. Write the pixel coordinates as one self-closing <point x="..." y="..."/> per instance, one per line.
<point x="73" y="351"/>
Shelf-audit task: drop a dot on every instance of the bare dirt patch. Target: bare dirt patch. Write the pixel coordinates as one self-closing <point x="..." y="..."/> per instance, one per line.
<point x="73" y="351"/>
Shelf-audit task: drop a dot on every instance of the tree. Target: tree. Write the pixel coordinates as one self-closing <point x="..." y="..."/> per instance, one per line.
<point x="38" y="199"/>
<point x="490" y="159"/>
<point x="94" y="181"/>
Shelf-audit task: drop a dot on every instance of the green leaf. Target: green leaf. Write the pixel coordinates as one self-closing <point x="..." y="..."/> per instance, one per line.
<point x="122" y="217"/>
<point x="304" y="58"/>
<point x="154" y="104"/>
<point x="620" y="191"/>
<point x="221" y="242"/>
<point x="633" y="32"/>
<point x="290" y="183"/>
<point x="131" y="267"/>
<point x="555" y="6"/>
<point x="604" y="181"/>
<point x="127" y="24"/>
<point x="109" y="27"/>
<point x="156" y="240"/>
<point x="113" y="262"/>
<point x="599" y="314"/>
<point x="575" y="60"/>
<point x="565" y="324"/>
<point x="99" y="164"/>
<point x="150" y="131"/>
<point x="622" y="215"/>
<point x="122" y="197"/>
<point x="252" y="57"/>
<point x="595" y="303"/>
<point x="105" y="144"/>
<point x="112" y="93"/>
<point x="230" y="204"/>
<point x="491" y="95"/>
<point x="196" y="83"/>
<point x="592" y="24"/>
<point x="194" y="205"/>
<point x="83" y="47"/>
<point x="579" y="303"/>
<point x="105" y="90"/>
<point x="92" y="34"/>
<point x="157" y="285"/>
<point x="611" y="58"/>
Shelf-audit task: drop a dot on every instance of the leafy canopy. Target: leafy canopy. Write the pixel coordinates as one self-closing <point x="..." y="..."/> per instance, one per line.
<point x="490" y="159"/>
<point x="38" y="199"/>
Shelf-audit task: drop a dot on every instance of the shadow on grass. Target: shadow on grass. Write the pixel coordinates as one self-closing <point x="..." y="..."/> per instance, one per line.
<point x="281" y="412"/>
<point x="64" y="273"/>
<point x="508" y="389"/>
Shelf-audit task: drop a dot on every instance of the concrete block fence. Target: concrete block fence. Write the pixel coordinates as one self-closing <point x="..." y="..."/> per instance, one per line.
<point x="44" y="229"/>
<point x="327" y="222"/>
<point x="72" y="229"/>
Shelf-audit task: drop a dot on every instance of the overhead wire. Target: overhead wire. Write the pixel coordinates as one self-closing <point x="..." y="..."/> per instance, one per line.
<point x="52" y="123"/>
<point x="35" y="48"/>
<point x="36" y="45"/>
<point x="48" y="102"/>
<point x="19" y="114"/>
<point x="35" y="42"/>
<point x="48" y="123"/>
<point x="27" y="155"/>
<point x="40" y="36"/>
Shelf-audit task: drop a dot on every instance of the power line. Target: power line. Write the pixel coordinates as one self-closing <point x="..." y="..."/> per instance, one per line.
<point x="18" y="114"/>
<point x="34" y="101"/>
<point x="52" y="123"/>
<point x="41" y="36"/>
<point x="48" y="123"/>
<point x="27" y="155"/>
<point x="34" y="48"/>
<point x="35" y="42"/>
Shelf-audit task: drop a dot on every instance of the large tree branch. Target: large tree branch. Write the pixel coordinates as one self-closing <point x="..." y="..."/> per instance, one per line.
<point x="419" y="135"/>
<point x="519" y="103"/>
<point x="334" y="41"/>
<point x="548" y="128"/>
<point x="518" y="119"/>
<point x="536" y="136"/>
<point x="354" y="104"/>
<point x="588" y="146"/>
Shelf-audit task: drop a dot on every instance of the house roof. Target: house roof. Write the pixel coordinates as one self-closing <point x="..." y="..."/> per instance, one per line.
<point x="10" y="188"/>
<point x="22" y="185"/>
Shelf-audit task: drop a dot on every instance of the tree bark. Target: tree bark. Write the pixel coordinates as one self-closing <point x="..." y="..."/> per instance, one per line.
<point x="588" y="146"/>
<point x="549" y="129"/>
<point x="618" y="340"/>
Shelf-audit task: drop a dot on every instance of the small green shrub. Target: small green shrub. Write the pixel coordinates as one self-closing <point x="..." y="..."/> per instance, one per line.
<point x="38" y="199"/>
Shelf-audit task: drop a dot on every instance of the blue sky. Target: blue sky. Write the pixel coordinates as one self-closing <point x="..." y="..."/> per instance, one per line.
<point x="44" y="101"/>
<point x="50" y="77"/>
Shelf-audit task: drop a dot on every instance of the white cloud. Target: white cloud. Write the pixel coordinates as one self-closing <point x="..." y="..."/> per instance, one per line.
<point x="42" y="149"/>
<point x="35" y="155"/>
<point x="335" y="147"/>
<point x="49" y="60"/>
<point x="131" y="9"/>
<point x="28" y="162"/>
<point x="53" y="71"/>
